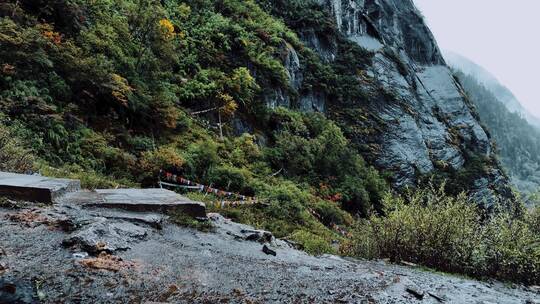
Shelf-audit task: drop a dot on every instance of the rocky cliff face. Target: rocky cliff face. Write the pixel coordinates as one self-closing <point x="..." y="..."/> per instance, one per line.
<point x="424" y="123"/>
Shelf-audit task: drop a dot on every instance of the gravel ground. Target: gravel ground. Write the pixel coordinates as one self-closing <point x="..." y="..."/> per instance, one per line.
<point x="181" y="265"/>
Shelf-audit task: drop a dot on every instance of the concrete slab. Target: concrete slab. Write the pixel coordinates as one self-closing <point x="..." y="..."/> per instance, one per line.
<point x="139" y="200"/>
<point x="35" y="188"/>
<point x="152" y="219"/>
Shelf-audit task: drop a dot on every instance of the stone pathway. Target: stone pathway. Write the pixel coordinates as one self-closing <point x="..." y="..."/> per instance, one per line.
<point x="40" y="189"/>
<point x="228" y="265"/>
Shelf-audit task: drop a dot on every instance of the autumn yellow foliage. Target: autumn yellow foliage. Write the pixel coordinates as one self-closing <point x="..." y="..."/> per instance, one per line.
<point x="167" y="29"/>
<point x="229" y="105"/>
<point x="163" y="157"/>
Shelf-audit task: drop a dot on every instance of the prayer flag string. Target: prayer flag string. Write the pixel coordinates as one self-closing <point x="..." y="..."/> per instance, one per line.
<point x="174" y="180"/>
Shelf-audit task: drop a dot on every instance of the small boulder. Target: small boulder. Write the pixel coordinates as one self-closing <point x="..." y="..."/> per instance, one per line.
<point x="106" y="236"/>
<point x="415" y="291"/>
<point x="268" y="251"/>
<point x="16" y="292"/>
<point x="260" y="236"/>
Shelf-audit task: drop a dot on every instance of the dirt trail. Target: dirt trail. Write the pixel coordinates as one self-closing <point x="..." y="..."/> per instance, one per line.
<point x="180" y="265"/>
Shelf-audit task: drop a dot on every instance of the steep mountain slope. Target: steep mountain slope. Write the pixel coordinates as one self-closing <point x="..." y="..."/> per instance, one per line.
<point x="484" y="77"/>
<point x="410" y="117"/>
<point x="117" y="90"/>
<point x="518" y="142"/>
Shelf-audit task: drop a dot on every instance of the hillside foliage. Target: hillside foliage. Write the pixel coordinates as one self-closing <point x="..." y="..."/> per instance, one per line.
<point x="111" y="92"/>
<point x="449" y="233"/>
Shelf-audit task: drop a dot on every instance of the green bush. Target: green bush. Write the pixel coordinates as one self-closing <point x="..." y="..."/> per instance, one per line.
<point x="510" y="250"/>
<point x="231" y="179"/>
<point x="201" y="157"/>
<point x="311" y="243"/>
<point x="287" y="209"/>
<point x="14" y="157"/>
<point x="311" y="148"/>
<point x="330" y="214"/>
<point x="534" y="219"/>
<point x="448" y="233"/>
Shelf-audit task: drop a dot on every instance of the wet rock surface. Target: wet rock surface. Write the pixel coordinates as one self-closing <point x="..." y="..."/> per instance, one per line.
<point x="12" y="291"/>
<point x="105" y="235"/>
<point x="180" y="265"/>
<point x="422" y="122"/>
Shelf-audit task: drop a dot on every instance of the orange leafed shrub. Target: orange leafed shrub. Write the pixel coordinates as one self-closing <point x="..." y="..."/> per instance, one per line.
<point x="49" y="34"/>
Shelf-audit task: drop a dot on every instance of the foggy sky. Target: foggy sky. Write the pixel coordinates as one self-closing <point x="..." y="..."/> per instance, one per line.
<point x="500" y="35"/>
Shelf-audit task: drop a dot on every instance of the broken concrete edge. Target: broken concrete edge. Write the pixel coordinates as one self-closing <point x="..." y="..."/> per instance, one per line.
<point x="148" y="200"/>
<point x="38" y="194"/>
<point x="193" y="209"/>
<point x="41" y="189"/>
<point x="35" y="188"/>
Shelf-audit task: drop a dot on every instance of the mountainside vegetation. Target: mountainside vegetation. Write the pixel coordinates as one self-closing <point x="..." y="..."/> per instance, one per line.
<point x="112" y="92"/>
<point x="518" y="142"/>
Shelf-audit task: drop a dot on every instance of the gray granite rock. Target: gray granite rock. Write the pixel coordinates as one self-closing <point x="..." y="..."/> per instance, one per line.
<point x="102" y="235"/>
<point x="425" y="120"/>
<point x="292" y="64"/>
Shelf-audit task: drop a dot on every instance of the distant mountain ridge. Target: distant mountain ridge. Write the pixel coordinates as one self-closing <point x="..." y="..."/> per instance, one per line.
<point x="491" y="83"/>
<point x="517" y="140"/>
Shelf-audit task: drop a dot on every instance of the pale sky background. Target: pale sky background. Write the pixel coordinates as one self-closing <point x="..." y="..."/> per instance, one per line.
<point x="500" y="35"/>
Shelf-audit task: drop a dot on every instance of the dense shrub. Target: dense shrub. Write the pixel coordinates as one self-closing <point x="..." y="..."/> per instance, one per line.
<point x="14" y="156"/>
<point x="534" y="219"/>
<point x="231" y="179"/>
<point x="166" y="158"/>
<point x="510" y="250"/>
<point x="201" y="158"/>
<point x="312" y="243"/>
<point x="330" y="214"/>
<point x="448" y="233"/>
<point x="313" y="149"/>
